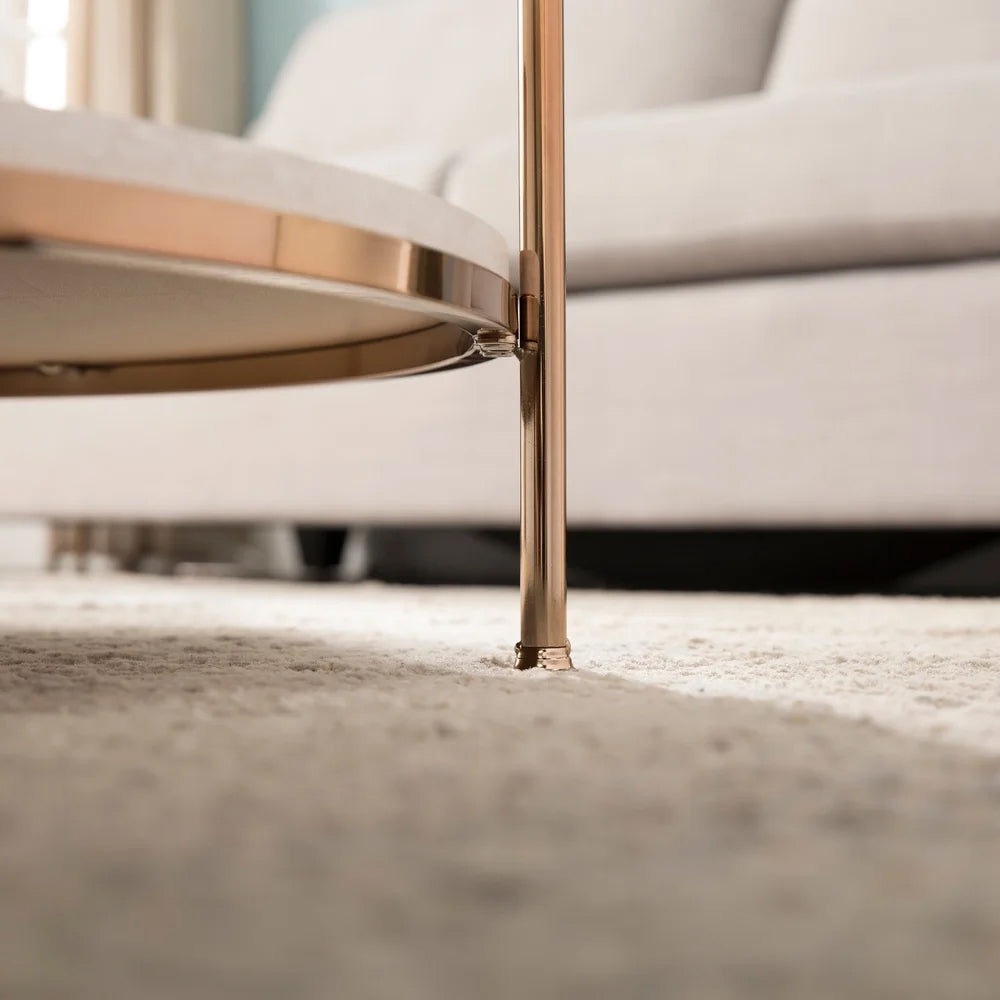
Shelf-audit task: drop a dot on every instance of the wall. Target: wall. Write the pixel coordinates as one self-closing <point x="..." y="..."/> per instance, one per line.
<point x="273" y="26"/>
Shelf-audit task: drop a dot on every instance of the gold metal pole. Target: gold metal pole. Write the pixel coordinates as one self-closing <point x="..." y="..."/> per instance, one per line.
<point x="543" y="340"/>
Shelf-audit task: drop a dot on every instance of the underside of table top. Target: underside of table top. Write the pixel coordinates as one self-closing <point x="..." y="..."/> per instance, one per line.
<point x="113" y="288"/>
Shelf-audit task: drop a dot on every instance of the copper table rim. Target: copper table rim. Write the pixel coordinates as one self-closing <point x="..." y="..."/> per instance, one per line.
<point x="48" y="211"/>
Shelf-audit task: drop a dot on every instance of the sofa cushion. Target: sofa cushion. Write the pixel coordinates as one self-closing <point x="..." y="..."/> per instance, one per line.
<point x="833" y="40"/>
<point x="865" y="398"/>
<point x="421" y="166"/>
<point x="901" y="171"/>
<point x="446" y="70"/>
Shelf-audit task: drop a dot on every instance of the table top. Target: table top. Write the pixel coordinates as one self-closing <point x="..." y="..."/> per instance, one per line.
<point x="110" y="286"/>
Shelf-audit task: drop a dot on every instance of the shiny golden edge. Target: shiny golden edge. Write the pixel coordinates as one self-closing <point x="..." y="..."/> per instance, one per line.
<point x="47" y="207"/>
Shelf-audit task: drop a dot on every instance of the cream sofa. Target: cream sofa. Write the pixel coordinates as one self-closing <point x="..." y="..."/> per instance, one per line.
<point x="783" y="229"/>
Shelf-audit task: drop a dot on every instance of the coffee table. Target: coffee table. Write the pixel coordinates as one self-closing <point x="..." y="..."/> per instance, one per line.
<point x="136" y="258"/>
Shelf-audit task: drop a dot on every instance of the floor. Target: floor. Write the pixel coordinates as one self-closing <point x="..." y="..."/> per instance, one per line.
<point x="259" y="790"/>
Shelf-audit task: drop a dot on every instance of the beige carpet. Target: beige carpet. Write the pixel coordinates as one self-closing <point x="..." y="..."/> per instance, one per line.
<point x="279" y="791"/>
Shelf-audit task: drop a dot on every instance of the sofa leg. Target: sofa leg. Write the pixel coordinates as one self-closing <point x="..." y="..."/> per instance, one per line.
<point x="542" y="334"/>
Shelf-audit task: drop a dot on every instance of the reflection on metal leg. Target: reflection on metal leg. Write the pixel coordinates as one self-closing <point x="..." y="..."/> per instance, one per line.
<point x="542" y="332"/>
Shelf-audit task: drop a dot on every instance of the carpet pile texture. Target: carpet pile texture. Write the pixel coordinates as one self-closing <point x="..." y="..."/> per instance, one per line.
<point x="215" y="789"/>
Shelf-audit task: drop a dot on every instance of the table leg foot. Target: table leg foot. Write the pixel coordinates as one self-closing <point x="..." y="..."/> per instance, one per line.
<point x="554" y="658"/>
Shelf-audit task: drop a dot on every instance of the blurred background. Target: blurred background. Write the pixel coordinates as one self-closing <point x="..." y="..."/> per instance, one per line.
<point x="212" y="65"/>
<point x="125" y="55"/>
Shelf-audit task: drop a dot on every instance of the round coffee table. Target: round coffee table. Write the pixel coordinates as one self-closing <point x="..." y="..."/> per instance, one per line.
<point x="138" y="258"/>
